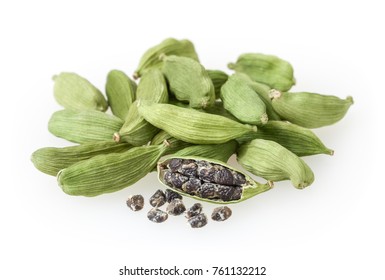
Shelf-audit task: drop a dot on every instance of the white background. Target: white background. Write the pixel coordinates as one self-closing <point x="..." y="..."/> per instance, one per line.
<point x="331" y="230"/>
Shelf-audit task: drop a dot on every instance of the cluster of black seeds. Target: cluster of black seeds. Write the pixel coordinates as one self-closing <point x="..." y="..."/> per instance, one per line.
<point x="175" y="207"/>
<point x="204" y="179"/>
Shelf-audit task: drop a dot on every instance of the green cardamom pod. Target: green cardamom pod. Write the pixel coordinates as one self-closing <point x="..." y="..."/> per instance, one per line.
<point x="83" y="126"/>
<point x="192" y="126"/>
<point x="299" y="140"/>
<point x="135" y="130"/>
<point x="243" y="102"/>
<point x="174" y="144"/>
<point x="264" y="93"/>
<point x="168" y="46"/>
<point x="51" y="160"/>
<point x="216" y="109"/>
<point x="153" y="87"/>
<point x="218" y="78"/>
<point x="120" y="91"/>
<point x="271" y="161"/>
<point x="188" y="81"/>
<point x="74" y="92"/>
<point x="110" y="172"/>
<point x="310" y="110"/>
<point x="221" y="152"/>
<point x="208" y="180"/>
<point x="267" y="69"/>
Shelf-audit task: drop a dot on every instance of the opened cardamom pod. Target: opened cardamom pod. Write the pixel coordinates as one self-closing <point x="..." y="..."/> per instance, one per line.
<point x="208" y="180"/>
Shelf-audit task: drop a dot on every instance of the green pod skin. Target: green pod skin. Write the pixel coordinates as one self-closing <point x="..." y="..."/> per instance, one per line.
<point x="51" y="160"/>
<point x="135" y="130"/>
<point x="188" y="81"/>
<point x="120" y="90"/>
<point x="174" y="144"/>
<point x="221" y="152"/>
<point x="310" y="110"/>
<point x="83" y="126"/>
<point x="243" y="102"/>
<point x="263" y="91"/>
<point x="110" y="172"/>
<point x="153" y="87"/>
<point x="249" y="189"/>
<point x="219" y="109"/>
<point x="170" y="46"/>
<point x="299" y="140"/>
<point x="271" y="161"/>
<point x="192" y="126"/>
<point x="74" y="92"/>
<point x="216" y="109"/>
<point x="267" y="69"/>
<point x="218" y="78"/>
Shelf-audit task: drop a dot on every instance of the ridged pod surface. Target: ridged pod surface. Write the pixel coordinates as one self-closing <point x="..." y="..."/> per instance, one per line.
<point x="75" y="92"/>
<point x="221" y="152"/>
<point x="299" y="140"/>
<point x="153" y="87"/>
<point x="267" y="69"/>
<point x="218" y="78"/>
<point x="263" y="91"/>
<point x="120" y="90"/>
<point x="169" y="46"/>
<point x="51" y="160"/>
<point x="83" y="126"/>
<point x="310" y="110"/>
<point x="111" y="172"/>
<point x="192" y="126"/>
<point x="188" y="81"/>
<point x="243" y="102"/>
<point x="271" y="161"/>
<point x="135" y="130"/>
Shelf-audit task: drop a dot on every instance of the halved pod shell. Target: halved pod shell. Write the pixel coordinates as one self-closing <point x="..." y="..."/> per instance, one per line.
<point x="208" y="180"/>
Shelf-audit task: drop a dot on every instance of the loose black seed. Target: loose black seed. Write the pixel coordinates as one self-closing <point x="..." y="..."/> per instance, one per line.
<point x="135" y="202"/>
<point x="175" y="164"/>
<point x="207" y="174"/>
<point x="198" y="221"/>
<point x="225" y="192"/>
<point x="239" y="179"/>
<point x="221" y="213"/>
<point x="174" y="179"/>
<point x="176" y="207"/>
<point x="237" y="193"/>
<point x="194" y="210"/>
<point x="157" y="216"/>
<point x="171" y="195"/>
<point x="207" y="190"/>
<point x="192" y="186"/>
<point x="188" y="169"/>
<point x="203" y="163"/>
<point x="223" y="177"/>
<point x="158" y="199"/>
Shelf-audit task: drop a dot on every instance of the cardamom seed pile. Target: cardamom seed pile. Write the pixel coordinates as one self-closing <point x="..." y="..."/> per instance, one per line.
<point x="185" y="121"/>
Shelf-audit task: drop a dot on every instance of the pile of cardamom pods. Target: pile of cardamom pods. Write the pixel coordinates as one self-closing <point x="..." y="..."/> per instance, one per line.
<point x="185" y="122"/>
